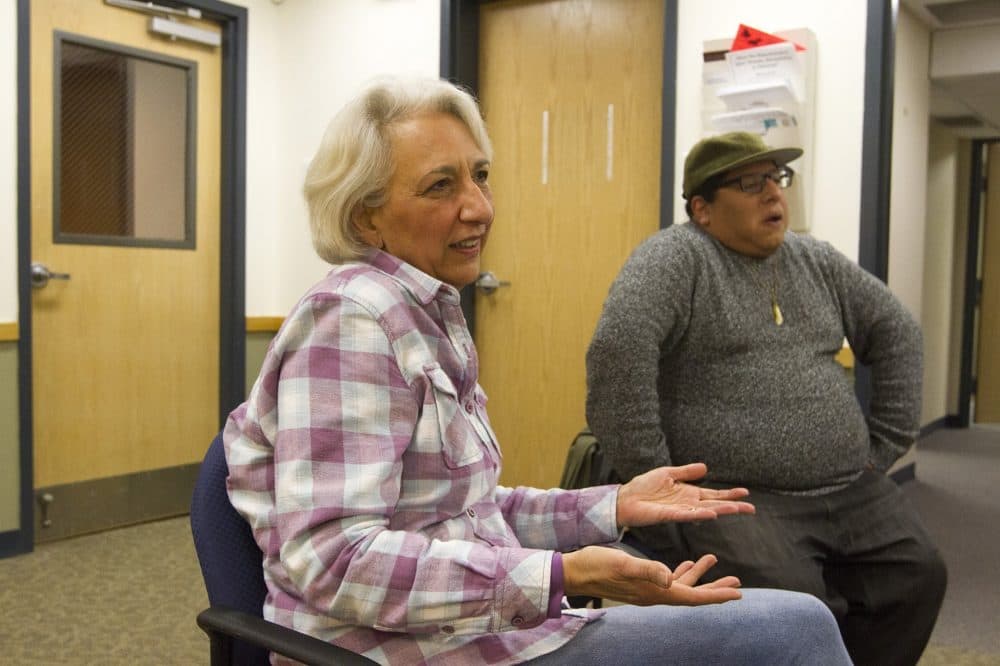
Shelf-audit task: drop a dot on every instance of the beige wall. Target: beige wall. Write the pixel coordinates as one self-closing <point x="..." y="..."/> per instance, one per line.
<point x="927" y="216"/>
<point x="839" y="108"/>
<point x="10" y="462"/>
<point x="256" y="349"/>
<point x="907" y="202"/>
<point x="942" y="297"/>
<point x="10" y="465"/>
<point x="8" y="162"/>
<point x="306" y="56"/>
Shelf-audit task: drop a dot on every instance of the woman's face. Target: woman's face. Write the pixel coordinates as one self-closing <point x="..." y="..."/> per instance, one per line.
<point x="439" y="208"/>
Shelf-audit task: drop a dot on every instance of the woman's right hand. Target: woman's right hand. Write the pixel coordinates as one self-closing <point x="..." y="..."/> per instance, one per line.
<point x="610" y="573"/>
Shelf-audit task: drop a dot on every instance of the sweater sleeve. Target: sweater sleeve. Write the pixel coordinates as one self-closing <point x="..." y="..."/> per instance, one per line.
<point x="884" y="336"/>
<point x="645" y="314"/>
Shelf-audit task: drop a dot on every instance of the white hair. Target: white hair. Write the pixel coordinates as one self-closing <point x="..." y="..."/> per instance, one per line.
<point x="354" y="162"/>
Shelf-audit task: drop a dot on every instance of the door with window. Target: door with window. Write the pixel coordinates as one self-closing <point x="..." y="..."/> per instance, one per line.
<point x="571" y="91"/>
<point x="125" y="180"/>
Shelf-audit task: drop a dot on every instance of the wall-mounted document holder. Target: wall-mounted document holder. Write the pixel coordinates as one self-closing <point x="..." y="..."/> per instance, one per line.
<point x="768" y="90"/>
<point x="777" y="93"/>
<point x="763" y="121"/>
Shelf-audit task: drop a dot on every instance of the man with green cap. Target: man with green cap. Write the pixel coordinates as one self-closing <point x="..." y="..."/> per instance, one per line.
<point x="717" y="344"/>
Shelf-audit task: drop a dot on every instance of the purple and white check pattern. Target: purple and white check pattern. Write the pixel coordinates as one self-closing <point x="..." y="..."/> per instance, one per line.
<point x="365" y="463"/>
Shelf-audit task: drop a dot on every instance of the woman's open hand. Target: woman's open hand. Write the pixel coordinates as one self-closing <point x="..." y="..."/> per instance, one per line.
<point x="662" y="495"/>
<point x="609" y="573"/>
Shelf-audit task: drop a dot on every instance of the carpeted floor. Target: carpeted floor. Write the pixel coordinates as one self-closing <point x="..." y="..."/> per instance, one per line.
<point x="126" y="596"/>
<point x="957" y="492"/>
<point x="130" y="596"/>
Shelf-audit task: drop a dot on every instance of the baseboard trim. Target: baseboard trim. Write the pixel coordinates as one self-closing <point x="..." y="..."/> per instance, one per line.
<point x="13" y="543"/>
<point x="905" y="473"/>
<point x="101" y="504"/>
<point x="938" y="424"/>
<point x="263" y="324"/>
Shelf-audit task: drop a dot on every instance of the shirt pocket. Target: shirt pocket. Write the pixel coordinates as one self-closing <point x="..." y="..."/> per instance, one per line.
<point x="459" y="442"/>
<point x="482" y="421"/>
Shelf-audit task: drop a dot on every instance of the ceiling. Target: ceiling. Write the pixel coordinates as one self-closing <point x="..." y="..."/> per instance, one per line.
<point x="968" y="104"/>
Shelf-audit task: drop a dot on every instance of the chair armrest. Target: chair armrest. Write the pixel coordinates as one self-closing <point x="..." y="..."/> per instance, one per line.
<point x="218" y="621"/>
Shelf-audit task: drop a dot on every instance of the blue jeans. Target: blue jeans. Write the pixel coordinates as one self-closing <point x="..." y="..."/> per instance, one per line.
<point x="766" y="627"/>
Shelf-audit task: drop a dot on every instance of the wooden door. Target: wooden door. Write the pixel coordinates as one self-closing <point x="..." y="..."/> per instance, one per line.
<point x="571" y="92"/>
<point x="125" y="367"/>
<point x="988" y="354"/>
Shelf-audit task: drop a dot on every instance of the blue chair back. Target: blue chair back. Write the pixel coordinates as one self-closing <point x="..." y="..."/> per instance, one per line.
<point x="231" y="561"/>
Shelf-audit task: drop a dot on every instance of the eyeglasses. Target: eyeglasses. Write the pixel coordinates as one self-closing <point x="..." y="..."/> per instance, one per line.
<point x="753" y="183"/>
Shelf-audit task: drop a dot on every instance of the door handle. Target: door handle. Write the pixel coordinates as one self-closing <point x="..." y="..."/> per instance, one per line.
<point x="40" y="275"/>
<point x="488" y="283"/>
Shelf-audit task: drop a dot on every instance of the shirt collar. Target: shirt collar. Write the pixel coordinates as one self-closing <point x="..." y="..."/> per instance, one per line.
<point x="423" y="287"/>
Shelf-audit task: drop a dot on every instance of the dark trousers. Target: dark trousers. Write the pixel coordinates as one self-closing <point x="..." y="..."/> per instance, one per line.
<point x="862" y="550"/>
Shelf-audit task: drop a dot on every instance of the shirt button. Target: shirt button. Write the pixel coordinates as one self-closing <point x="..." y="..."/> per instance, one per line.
<point x="468" y="407"/>
<point x="448" y="629"/>
<point x="471" y="512"/>
<point x="517" y="621"/>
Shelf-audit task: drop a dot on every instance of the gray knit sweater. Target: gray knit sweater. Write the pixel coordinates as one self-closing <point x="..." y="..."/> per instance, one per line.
<point x="687" y="364"/>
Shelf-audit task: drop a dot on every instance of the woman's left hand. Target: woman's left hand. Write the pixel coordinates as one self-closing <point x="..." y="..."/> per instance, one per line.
<point x="662" y="495"/>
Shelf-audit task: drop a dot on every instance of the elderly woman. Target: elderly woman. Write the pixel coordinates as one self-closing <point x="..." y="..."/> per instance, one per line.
<point x="365" y="462"/>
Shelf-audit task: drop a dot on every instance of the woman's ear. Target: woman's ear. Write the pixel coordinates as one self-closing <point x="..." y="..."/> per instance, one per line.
<point x="361" y="218"/>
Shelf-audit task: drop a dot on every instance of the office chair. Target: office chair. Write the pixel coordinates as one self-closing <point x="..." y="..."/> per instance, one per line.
<point x="585" y="466"/>
<point x="234" y="578"/>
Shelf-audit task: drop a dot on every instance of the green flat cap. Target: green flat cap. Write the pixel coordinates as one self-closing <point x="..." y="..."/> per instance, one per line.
<point x="725" y="152"/>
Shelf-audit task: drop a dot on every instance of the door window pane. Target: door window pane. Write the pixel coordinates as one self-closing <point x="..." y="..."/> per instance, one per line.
<point x="123" y="146"/>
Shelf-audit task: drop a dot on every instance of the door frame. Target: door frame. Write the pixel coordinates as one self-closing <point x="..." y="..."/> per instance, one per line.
<point x="977" y="186"/>
<point x="232" y="220"/>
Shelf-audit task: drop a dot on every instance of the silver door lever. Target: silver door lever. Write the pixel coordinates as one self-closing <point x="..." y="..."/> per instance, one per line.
<point x="40" y="275"/>
<point x="488" y="283"/>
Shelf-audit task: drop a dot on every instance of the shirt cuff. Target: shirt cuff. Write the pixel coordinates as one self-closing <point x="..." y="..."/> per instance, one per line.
<point x="556" y="589"/>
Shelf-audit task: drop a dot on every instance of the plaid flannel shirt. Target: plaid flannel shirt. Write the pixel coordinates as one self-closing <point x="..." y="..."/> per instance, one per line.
<point x="365" y="463"/>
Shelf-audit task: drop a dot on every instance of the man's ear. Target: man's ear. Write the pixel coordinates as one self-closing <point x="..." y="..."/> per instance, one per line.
<point x="361" y="218"/>
<point x="701" y="211"/>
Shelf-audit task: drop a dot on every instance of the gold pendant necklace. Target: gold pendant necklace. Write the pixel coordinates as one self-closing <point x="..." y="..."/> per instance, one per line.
<point x="776" y="313"/>
<point x="779" y="318"/>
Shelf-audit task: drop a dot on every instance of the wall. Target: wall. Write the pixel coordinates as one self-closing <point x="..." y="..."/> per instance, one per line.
<point x="911" y="110"/>
<point x="912" y="275"/>
<point x="907" y="214"/>
<point x="306" y="58"/>
<point x="9" y="452"/>
<point x="926" y="246"/>
<point x="942" y="297"/>
<point x="839" y="112"/>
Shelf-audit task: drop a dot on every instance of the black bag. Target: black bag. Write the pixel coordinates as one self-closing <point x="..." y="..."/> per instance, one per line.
<point x="584" y="462"/>
<point x="585" y="466"/>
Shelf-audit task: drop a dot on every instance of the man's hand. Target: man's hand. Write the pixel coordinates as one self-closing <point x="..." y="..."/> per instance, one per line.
<point x="609" y="573"/>
<point x="661" y="495"/>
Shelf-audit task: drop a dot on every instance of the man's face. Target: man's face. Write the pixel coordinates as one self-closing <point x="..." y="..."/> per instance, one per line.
<point x="752" y="224"/>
